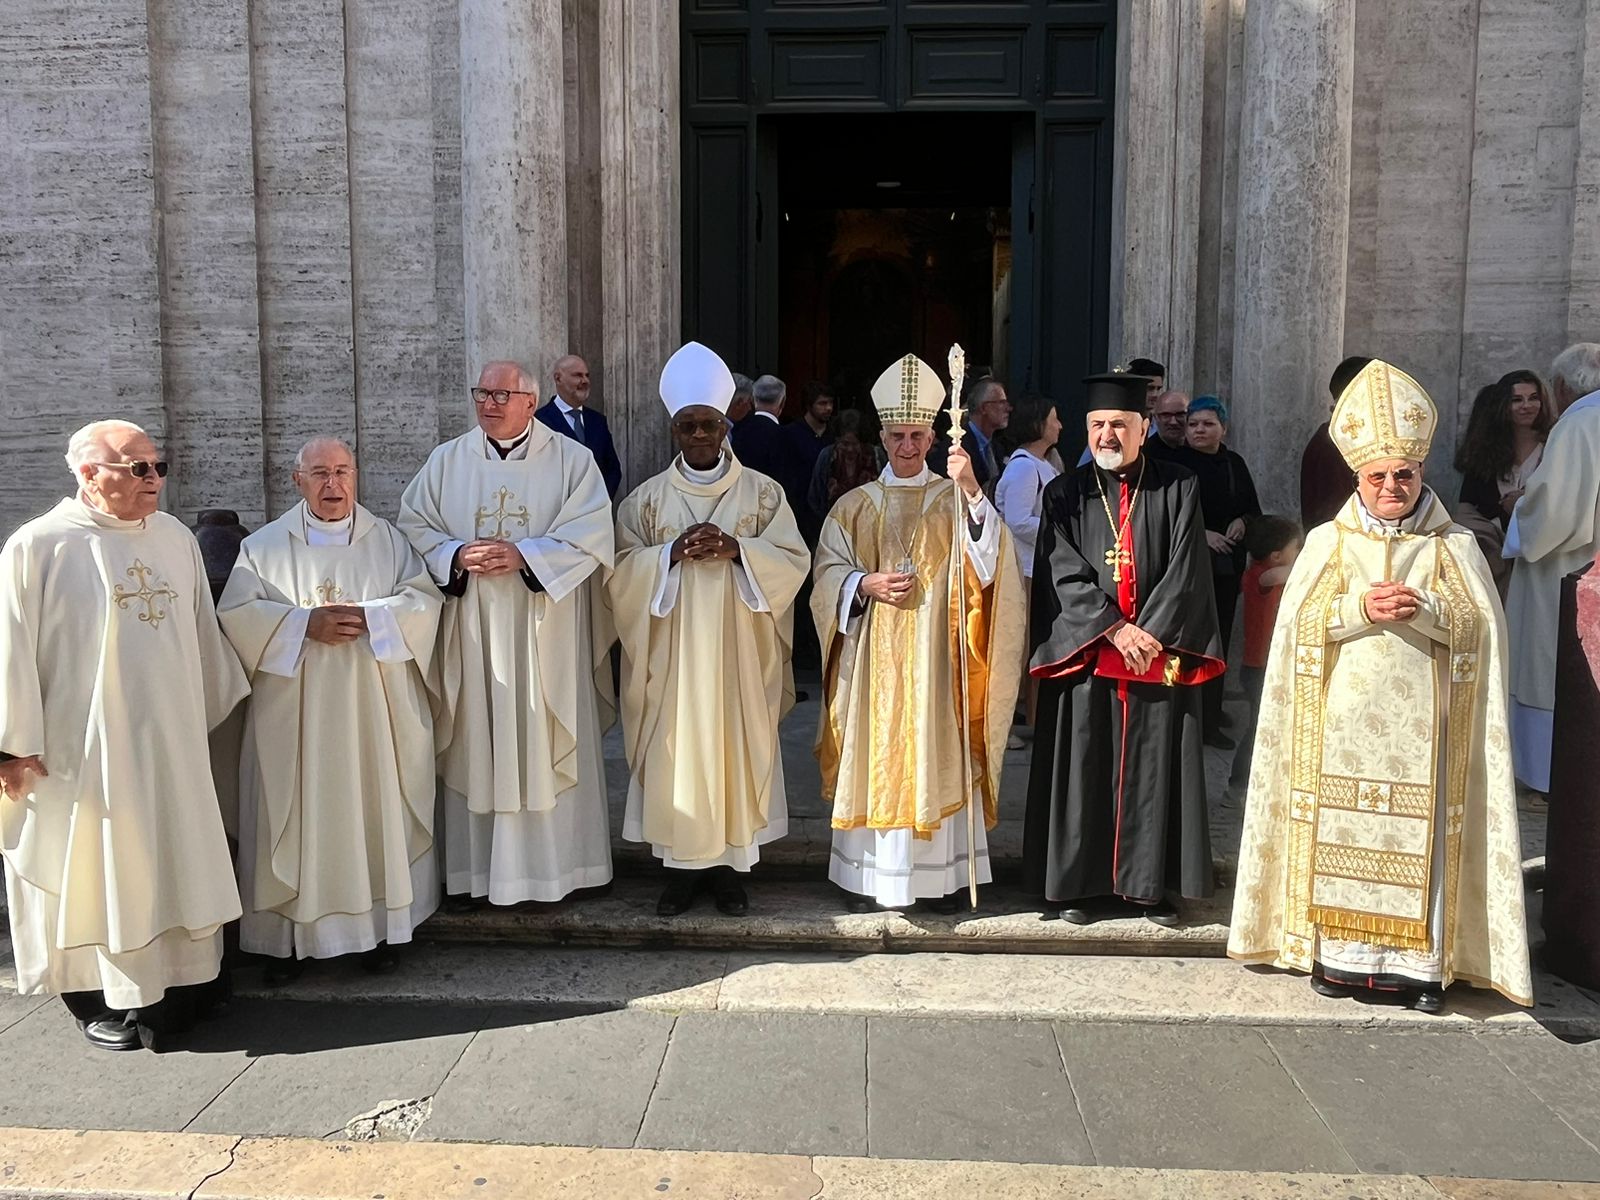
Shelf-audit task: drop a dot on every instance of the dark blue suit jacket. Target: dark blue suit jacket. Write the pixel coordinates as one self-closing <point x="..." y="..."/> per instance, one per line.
<point x="757" y="445"/>
<point x="598" y="435"/>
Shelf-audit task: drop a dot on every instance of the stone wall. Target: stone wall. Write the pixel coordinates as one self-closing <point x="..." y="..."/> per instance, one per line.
<point x="241" y="224"/>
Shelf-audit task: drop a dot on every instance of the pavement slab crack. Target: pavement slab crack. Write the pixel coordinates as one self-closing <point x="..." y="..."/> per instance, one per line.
<point x="222" y="1170"/>
<point x="1310" y="1103"/>
<point x="221" y="1092"/>
<point x="1077" y="1102"/>
<point x="656" y="1083"/>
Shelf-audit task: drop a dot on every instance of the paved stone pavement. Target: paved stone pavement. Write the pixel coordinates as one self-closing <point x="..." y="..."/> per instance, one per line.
<point x="1286" y="1098"/>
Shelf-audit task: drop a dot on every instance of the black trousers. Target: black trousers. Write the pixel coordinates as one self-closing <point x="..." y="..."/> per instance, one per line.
<point x="176" y="1011"/>
<point x="1226" y="588"/>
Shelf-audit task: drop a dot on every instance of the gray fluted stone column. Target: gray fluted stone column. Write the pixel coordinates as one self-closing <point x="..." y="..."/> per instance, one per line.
<point x="1293" y="226"/>
<point x="513" y="183"/>
<point x="640" y="251"/>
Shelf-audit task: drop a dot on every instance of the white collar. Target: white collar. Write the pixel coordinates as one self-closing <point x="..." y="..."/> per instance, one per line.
<point x="724" y="463"/>
<point x="889" y="479"/>
<point x="773" y="417"/>
<point x="1381" y="527"/>
<point x="101" y="517"/>
<point x="566" y="409"/>
<point x="510" y="443"/>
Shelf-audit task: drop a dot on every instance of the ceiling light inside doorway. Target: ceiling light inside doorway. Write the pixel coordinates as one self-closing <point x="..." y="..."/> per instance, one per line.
<point x="888" y="183"/>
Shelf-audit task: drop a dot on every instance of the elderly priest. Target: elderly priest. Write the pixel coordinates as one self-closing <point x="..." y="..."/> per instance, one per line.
<point x="112" y="670"/>
<point x="1125" y="631"/>
<point x="899" y="591"/>
<point x="709" y="561"/>
<point x="333" y="615"/>
<point x="1380" y="848"/>
<point x="513" y="521"/>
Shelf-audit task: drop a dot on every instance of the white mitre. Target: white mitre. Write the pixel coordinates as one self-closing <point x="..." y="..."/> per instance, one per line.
<point x="695" y="375"/>
<point x="908" y="393"/>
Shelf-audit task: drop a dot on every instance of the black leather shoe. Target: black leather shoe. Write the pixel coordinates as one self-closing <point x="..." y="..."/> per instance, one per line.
<point x="1429" y="1002"/>
<point x="678" y="896"/>
<point x="1077" y="914"/>
<point x="857" y="903"/>
<point x="382" y="959"/>
<point x="282" y="971"/>
<point x="948" y="905"/>
<point x="598" y="892"/>
<point x="110" y="1032"/>
<point x="459" y="904"/>
<point x="1334" y="991"/>
<point x="1163" y="914"/>
<point x="729" y="892"/>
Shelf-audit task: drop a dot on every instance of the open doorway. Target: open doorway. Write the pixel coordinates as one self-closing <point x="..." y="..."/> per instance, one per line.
<point x="894" y="235"/>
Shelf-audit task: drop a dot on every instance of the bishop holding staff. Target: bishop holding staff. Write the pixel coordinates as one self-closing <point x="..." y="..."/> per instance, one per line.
<point x="709" y="560"/>
<point x="334" y="616"/>
<point x="897" y="598"/>
<point x="1125" y="631"/>
<point x="513" y="521"/>
<point x="112" y="670"/>
<point x="1381" y="849"/>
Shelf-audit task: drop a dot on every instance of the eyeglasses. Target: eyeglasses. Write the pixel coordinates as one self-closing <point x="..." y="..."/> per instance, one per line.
<point x="1402" y="477"/>
<point x="708" y="427"/>
<point x="321" y="475"/>
<point x="138" y="468"/>
<point x="500" y="397"/>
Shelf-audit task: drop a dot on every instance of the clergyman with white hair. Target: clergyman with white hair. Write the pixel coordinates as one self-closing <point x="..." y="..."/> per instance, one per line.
<point x="514" y="523"/>
<point x="112" y="672"/>
<point x="1555" y="530"/>
<point x="333" y="616"/>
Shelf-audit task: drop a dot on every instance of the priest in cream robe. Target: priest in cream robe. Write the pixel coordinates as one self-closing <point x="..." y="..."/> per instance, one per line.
<point x="1554" y="531"/>
<point x="709" y="561"/>
<point x="112" y="671"/>
<point x="888" y="601"/>
<point x="333" y="616"/>
<point x="513" y="522"/>
<point x="1381" y="849"/>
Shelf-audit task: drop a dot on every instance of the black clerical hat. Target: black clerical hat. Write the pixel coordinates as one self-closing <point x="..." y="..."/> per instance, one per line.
<point x="1116" y="389"/>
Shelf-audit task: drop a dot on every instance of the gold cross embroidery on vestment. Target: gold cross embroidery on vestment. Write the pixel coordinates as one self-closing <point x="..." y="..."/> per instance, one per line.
<point x="144" y="593"/>
<point x="500" y="515"/>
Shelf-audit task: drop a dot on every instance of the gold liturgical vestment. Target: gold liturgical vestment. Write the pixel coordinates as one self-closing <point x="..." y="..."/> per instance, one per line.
<point x="889" y="743"/>
<point x="705" y="662"/>
<point x="1381" y="820"/>
<point x="337" y="768"/>
<point x="112" y="669"/>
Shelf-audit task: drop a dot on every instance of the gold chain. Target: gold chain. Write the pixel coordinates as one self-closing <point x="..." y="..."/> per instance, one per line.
<point x="1117" y="556"/>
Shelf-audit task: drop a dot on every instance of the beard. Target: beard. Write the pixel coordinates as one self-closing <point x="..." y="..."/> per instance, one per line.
<point x="1108" y="460"/>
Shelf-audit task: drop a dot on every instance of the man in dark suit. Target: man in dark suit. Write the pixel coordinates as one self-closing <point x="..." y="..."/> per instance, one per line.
<point x="568" y="413"/>
<point x="755" y="439"/>
<point x="988" y="410"/>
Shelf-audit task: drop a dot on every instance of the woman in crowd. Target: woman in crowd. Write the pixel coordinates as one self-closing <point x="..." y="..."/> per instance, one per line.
<point x="854" y="458"/>
<point x="1034" y="430"/>
<point x="1503" y="444"/>
<point x="1227" y="500"/>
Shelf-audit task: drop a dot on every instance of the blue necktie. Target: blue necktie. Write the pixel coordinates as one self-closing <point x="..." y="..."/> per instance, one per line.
<point x="577" y="426"/>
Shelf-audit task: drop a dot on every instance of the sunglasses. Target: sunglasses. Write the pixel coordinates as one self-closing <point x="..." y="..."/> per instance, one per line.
<point x="708" y="427"/>
<point x="139" y="468"/>
<point x="1403" y="476"/>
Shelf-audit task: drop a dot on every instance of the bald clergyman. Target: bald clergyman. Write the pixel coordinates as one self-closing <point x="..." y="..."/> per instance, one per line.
<point x="514" y="523"/>
<point x="112" y="670"/>
<point x="569" y="414"/>
<point x="334" y="616"/>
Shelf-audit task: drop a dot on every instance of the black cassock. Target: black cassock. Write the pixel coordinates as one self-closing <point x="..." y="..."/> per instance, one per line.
<point x="1117" y="791"/>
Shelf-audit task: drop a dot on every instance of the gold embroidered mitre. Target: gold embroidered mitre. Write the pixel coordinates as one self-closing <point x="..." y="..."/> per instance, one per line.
<point x="1383" y="414"/>
<point x="908" y="393"/>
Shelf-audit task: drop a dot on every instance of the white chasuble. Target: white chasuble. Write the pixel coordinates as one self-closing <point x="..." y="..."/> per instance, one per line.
<point x="705" y="664"/>
<point x="1381" y="833"/>
<point x="113" y="670"/>
<point x="336" y="779"/>
<point x="889" y="742"/>
<point x="523" y="676"/>
<point x="1554" y="532"/>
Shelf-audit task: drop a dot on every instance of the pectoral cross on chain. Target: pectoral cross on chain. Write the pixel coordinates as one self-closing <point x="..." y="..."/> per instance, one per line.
<point x="1116" y="558"/>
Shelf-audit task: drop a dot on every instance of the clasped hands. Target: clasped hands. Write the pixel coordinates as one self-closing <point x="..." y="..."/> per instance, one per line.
<point x="1391" y="602"/>
<point x="704" y="543"/>
<point x="1138" y="649"/>
<point x="14" y="774"/>
<point x="335" y="624"/>
<point x="488" y="556"/>
<point x="1226" y="543"/>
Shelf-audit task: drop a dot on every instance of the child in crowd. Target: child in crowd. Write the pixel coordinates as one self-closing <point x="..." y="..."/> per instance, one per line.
<point x="1273" y="542"/>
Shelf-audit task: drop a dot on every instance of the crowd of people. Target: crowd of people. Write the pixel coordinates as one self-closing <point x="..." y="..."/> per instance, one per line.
<point x="341" y="721"/>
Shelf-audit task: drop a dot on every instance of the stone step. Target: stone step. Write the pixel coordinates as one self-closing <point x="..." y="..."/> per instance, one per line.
<point x="794" y="915"/>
